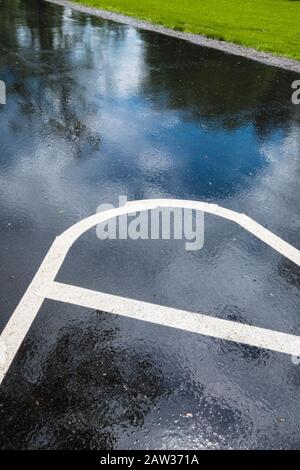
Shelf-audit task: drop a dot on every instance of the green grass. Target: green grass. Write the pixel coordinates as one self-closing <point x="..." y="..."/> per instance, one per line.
<point x="266" y="25"/>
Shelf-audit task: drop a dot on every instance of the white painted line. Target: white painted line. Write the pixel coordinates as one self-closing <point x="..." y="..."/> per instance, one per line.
<point x="43" y="283"/>
<point x="180" y="319"/>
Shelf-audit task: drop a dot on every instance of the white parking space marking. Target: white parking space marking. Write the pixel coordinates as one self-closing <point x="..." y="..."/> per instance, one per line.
<point x="183" y="320"/>
<point x="43" y="286"/>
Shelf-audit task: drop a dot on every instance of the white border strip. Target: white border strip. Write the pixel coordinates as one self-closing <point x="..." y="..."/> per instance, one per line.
<point x="43" y="286"/>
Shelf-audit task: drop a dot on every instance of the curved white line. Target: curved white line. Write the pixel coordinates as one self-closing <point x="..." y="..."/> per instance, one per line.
<point x="43" y="286"/>
<point x="243" y="220"/>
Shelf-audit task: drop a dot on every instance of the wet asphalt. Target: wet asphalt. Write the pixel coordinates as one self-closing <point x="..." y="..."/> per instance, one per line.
<point x="95" y="110"/>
